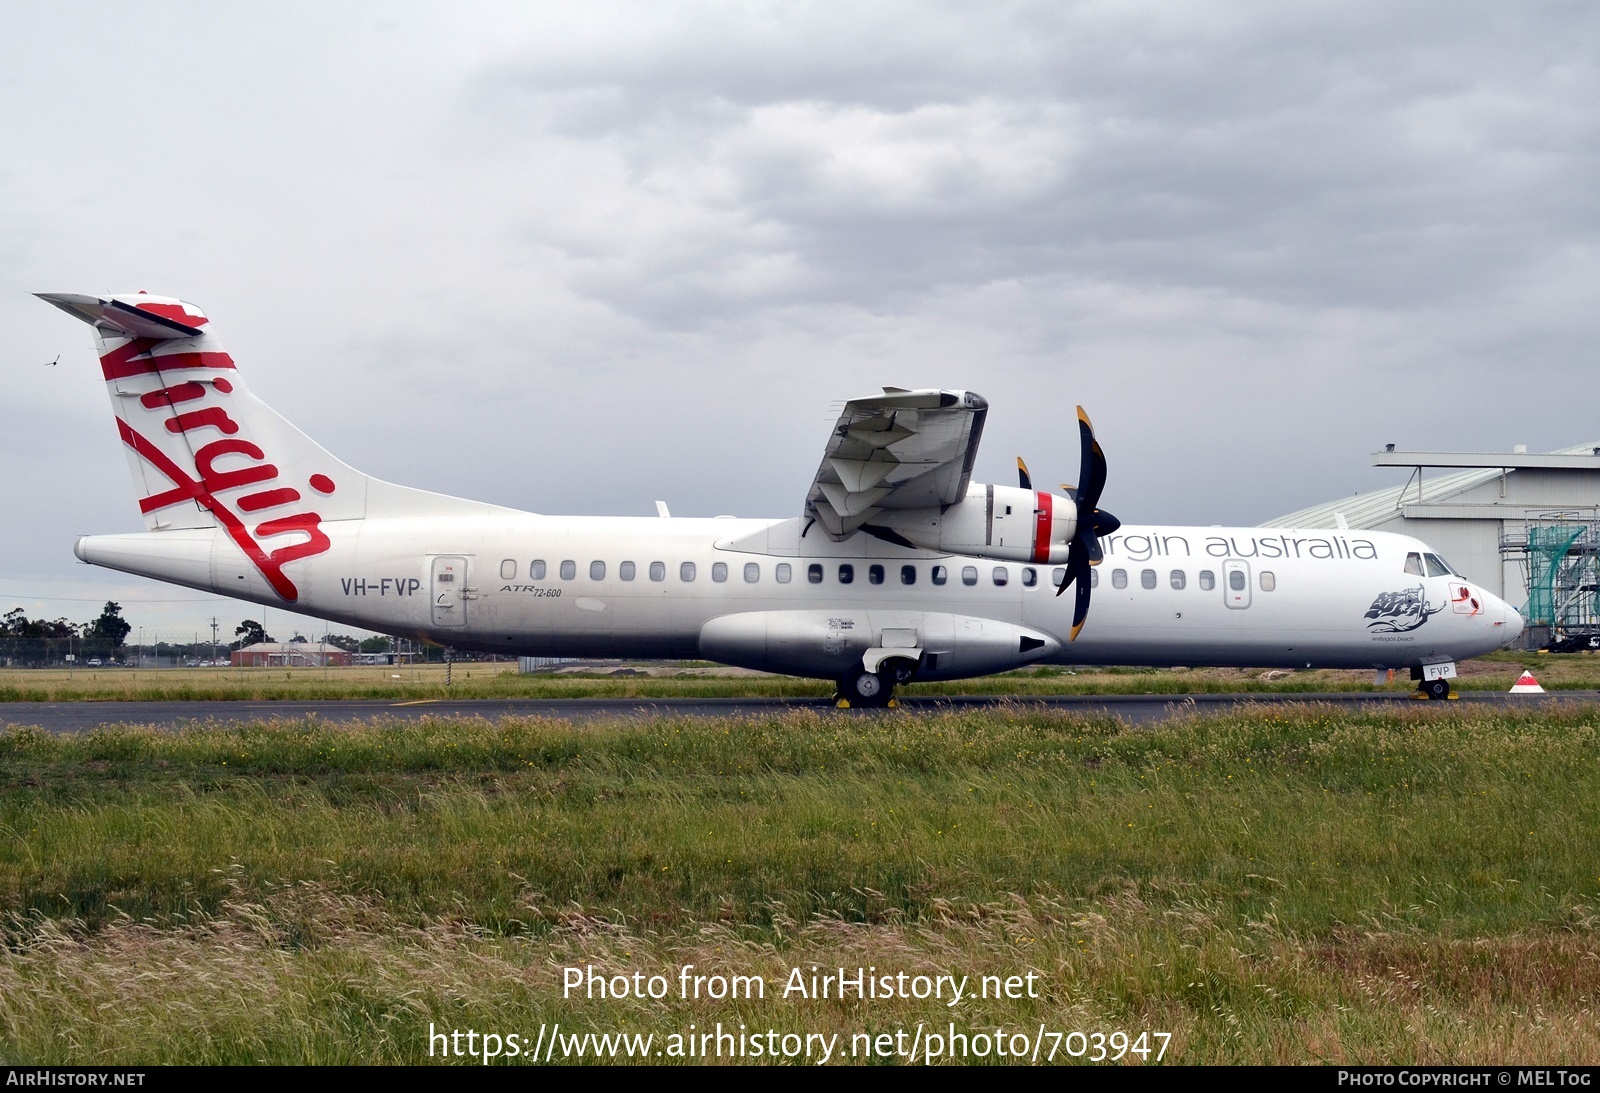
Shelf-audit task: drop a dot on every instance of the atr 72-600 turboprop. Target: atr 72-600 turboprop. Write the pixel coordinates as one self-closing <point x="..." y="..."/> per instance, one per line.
<point x="899" y="567"/>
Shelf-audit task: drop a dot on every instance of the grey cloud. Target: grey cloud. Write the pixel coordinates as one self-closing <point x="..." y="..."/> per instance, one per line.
<point x="1349" y="155"/>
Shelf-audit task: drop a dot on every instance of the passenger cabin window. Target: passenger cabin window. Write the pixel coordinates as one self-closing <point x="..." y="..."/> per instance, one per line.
<point x="783" y="573"/>
<point x="1436" y="566"/>
<point x="814" y="573"/>
<point x="569" y="569"/>
<point x="752" y="572"/>
<point x="1094" y="578"/>
<point x="625" y="571"/>
<point x="875" y="574"/>
<point x="1147" y="578"/>
<point x="1268" y="581"/>
<point x="908" y="574"/>
<point x="1030" y="576"/>
<point x="658" y="571"/>
<point x="686" y="572"/>
<point x="1001" y="576"/>
<point x="940" y="575"/>
<point x="969" y="575"/>
<point x="597" y="571"/>
<point x="1236" y="580"/>
<point x="1119" y="578"/>
<point x="508" y="569"/>
<point x="1178" y="579"/>
<point x="1414" y="564"/>
<point x="847" y="573"/>
<point x="719" y="571"/>
<point x="536" y="570"/>
<point x="1208" y="580"/>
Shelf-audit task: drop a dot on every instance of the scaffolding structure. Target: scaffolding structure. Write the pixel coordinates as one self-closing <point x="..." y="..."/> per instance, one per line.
<point x="1561" y="564"/>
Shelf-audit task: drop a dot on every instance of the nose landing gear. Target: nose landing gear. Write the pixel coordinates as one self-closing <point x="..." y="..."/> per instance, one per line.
<point x="1436" y="689"/>
<point x="1433" y="682"/>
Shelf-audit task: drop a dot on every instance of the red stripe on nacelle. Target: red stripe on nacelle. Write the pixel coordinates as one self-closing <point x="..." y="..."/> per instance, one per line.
<point x="1043" y="513"/>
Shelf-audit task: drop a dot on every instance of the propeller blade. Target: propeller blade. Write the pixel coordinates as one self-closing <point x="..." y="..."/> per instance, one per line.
<point x="1080" y="609"/>
<point x="1070" y="573"/>
<point x="1023" y="478"/>
<point x="1092" y="522"/>
<point x="1092" y="476"/>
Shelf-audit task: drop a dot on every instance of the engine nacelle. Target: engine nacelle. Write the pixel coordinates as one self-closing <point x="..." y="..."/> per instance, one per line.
<point x="1006" y="523"/>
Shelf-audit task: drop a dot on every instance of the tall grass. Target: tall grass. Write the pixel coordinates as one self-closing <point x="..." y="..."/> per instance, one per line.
<point x="1276" y="884"/>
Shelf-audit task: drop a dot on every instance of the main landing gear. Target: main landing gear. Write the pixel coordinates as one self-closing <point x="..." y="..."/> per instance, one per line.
<point x="875" y="690"/>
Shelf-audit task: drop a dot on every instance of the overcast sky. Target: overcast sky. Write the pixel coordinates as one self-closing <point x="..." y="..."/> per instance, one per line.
<point x="577" y="257"/>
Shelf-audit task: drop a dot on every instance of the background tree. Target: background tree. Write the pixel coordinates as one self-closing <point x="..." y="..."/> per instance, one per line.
<point x="250" y="632"/>
<point x="106" y="635"/>
<point x="37" y="642"/>
<point x="14" y="632"/>
<point x="343" y="641"/>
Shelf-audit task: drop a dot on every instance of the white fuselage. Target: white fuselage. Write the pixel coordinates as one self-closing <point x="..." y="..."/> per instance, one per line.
<point x="870" y="588"/>
<point x="1308" y="598"/>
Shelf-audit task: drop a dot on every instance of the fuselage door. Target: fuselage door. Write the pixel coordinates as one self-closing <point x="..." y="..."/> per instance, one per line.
<point x="449" y="591"/>
<point x="1236" y="583"/>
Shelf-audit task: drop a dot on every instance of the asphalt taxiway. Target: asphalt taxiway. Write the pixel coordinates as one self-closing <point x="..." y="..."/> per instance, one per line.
<point x="64" y="717"/>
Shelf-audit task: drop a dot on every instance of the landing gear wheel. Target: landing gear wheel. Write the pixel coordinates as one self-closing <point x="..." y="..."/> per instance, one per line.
<point x="864" y="688"/>
<point x="1437" y="689"/>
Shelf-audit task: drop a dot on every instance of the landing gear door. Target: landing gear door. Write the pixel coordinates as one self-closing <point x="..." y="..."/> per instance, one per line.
<point x="1236" y="584"/>
<point x="449" y="586"/>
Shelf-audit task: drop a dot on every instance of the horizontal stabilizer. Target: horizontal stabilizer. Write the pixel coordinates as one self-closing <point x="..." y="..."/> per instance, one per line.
<point x="136" y="316"/>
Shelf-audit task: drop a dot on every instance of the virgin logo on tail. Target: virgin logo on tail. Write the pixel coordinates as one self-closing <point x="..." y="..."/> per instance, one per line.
<point x="189" y="406"/>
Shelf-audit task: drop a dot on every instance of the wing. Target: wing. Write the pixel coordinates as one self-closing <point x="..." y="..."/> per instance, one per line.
<point x="898" y="450"/>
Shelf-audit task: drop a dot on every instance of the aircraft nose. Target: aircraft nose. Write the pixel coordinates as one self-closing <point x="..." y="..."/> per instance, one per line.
<point x="1513" y="623"/>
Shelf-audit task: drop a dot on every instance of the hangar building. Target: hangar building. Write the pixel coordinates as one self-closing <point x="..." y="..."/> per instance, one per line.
<point x="1524" y="526"/>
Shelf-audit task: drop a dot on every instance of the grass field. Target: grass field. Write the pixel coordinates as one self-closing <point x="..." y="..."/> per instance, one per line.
<point x="500" y="680"/>
<point x="1282" y="884"/>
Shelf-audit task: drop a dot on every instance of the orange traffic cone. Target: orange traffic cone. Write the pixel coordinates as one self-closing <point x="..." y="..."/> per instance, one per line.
<point x="1526" y="685"/>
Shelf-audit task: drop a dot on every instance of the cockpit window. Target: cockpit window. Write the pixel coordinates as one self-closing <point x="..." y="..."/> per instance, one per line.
<point x="1436" y="566"/>
<point x="1414" y="564"/>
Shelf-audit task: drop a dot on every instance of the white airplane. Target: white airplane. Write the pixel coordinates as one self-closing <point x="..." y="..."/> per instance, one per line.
<point x="899" y="568"/>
